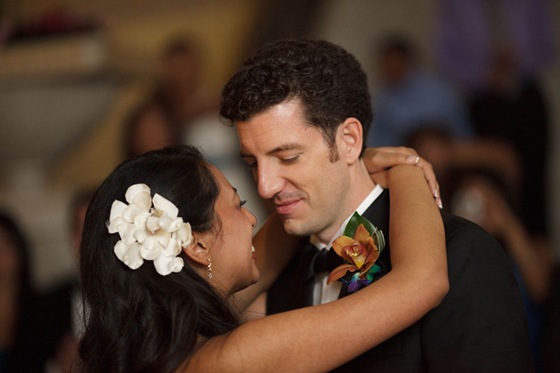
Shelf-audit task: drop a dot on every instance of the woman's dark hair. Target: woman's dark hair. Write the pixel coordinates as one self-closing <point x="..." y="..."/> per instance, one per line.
<point x="138" y="320"/>
<point x="329" y="82"/>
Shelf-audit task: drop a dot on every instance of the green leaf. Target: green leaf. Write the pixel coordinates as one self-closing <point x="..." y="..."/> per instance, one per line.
<point x="370" y="275"/>
<point x="352" y="225"/>
<point x="379" y="239"/>
<point x="355" y="222"/>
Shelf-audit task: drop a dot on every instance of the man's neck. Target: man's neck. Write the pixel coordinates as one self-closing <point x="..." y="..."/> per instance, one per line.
<point x="361" y="186"/>
<point x="361" y="209"/>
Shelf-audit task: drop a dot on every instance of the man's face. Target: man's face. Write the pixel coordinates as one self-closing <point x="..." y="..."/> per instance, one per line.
<point x="292" y="165"/>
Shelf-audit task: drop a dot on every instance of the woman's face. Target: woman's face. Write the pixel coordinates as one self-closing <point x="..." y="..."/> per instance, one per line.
<point x="233" y="260"/>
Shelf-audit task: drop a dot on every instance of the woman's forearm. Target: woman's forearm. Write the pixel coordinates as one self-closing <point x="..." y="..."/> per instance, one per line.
<point x="415" y="221"/>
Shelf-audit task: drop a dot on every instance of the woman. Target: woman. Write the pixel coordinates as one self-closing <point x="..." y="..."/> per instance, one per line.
<point x="179" y="317"/>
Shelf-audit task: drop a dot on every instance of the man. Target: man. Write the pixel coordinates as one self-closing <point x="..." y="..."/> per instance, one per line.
<point x="302" y="111"/>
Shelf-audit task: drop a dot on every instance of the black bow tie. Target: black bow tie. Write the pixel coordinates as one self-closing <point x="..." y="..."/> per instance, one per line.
<point x="314" y="261"/>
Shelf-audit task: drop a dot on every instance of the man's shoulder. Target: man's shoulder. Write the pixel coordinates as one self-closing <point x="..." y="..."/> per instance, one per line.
<point x="456" y="227"/>
<point x="466" y="239"/>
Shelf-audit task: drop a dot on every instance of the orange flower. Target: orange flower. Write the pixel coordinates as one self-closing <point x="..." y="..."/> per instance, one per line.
<point x="360" y="252"/>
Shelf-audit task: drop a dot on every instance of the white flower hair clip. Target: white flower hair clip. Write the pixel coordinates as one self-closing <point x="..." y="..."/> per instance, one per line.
<point x="149" y="233"/>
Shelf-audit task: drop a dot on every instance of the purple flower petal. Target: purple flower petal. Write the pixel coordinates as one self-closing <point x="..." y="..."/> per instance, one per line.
<point x="353" y="286"/>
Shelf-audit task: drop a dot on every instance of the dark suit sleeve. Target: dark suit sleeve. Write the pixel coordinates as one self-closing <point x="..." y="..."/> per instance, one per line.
<point x="480" y="326"/>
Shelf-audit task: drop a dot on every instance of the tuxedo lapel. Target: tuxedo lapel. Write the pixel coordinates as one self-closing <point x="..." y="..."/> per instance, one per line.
<point x="378" y="214"/>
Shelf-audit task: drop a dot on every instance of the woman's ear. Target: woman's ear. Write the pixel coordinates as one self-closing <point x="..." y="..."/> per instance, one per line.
<point x="350" y="137"/>
<point x="198" y="249"/>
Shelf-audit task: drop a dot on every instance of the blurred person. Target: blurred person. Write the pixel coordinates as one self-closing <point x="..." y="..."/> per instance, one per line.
<point x="180" y="89"/>
<point x="480" y="196"/>
<point x="16" y="292"/>
<point x="64" y="305"/>
<point x="148" y="127"/>
<point x="475" y="189"/>
<point x="55" y="321"/>
<point x="445" y="153"/>
<point x="511" y="108"/>
<point x="409" y="96"/>
<point x="490" y="207"/>
<point x="437" y="146"/>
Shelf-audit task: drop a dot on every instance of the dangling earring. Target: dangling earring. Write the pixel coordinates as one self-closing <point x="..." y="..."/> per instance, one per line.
<point x="209" y="269"/>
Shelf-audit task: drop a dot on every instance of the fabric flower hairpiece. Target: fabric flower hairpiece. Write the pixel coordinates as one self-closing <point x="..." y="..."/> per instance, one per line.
<point x="360" y="246"/>
<point x="150" y="229"/>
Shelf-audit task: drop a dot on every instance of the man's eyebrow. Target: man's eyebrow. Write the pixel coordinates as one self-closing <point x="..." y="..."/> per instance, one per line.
<point x="278" y="149"/>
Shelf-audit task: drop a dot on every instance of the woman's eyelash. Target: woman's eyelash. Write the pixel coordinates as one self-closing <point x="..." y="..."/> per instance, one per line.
<point x="242" y="203"/>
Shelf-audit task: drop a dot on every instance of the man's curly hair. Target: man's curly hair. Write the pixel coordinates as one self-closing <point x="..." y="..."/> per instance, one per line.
<point x="328" y="81"/>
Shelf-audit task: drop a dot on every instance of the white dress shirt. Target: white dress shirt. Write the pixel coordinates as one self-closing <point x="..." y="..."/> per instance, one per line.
<point x="323" y="293"/>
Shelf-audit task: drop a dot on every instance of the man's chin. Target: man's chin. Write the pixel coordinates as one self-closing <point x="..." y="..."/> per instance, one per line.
<point x="294" y="228"/>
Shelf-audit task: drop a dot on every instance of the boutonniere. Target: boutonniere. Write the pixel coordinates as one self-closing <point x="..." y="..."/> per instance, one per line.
<point x="360" y="246"/>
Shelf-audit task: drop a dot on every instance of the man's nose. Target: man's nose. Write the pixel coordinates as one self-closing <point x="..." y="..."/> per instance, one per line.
<point x="269" y="182"/>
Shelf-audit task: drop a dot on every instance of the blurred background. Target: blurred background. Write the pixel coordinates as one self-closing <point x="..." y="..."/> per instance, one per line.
<point x="86" y="84"/>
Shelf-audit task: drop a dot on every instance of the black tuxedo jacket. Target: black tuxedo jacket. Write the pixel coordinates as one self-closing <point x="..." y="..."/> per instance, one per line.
<point x="480" y="326"/>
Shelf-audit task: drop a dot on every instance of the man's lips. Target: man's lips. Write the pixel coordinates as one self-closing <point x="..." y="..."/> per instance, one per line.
<point x="285" y="208"/>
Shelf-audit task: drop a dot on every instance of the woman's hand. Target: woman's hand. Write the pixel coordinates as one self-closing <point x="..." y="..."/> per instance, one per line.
<point x="379" y="160"/>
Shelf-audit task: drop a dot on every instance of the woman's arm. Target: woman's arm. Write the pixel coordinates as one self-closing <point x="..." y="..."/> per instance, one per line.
<point x="378" y="160"/>
<point x="322" y="337"/>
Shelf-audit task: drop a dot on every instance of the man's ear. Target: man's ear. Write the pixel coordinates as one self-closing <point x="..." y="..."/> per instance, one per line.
<point x="350" y="138"/>
<point x="198" y="249"/>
